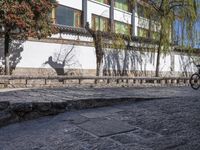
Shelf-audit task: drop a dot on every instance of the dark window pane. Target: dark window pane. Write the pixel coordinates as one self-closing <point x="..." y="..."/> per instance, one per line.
<point x="122" y="4"/>
<point x="68" y="16"/>
<point x="122" y="28"/>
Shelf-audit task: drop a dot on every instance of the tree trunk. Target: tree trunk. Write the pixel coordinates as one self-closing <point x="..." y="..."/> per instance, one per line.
<point x="158" y="61"/>
<point x="99" y="71"/>
<point x="159" y="51"/>
<point x="6" y="54"/>
<point x="97" y="39"/>
<point x="99" y="54"/>
<point x="99" y="61"/>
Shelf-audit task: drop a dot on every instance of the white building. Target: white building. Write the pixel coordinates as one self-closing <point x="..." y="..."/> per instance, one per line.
<point x="76" y="53"/>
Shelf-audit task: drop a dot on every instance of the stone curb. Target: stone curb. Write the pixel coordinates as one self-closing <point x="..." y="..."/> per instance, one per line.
<point x="16" y="112"/>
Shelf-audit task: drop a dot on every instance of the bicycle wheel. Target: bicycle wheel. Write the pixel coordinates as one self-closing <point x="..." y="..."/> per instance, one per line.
<point x="195" y="81"/>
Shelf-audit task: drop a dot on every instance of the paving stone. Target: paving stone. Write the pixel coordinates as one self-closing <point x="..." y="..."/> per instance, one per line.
<point x="75" y="119"/>
<point x="101" y="112"/>
<point x="136" y="146"/>
<point x="146" y="133"/>
<point x="104" y="127"/>
<point x="127" y="139"/>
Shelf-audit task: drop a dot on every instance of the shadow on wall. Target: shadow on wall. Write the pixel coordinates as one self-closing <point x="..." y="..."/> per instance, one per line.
<point x="64" y="61"/>
<point x="127" y="62"/>
<point x="15" y="50"/>
<point x="187" y="65"/>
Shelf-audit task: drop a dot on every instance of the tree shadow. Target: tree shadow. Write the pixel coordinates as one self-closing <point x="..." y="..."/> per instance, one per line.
<point x="63" y="62"/>
<point x="57" y="66"/>
<point x="125" y="63"/>
<point x="187" y="65"/>
<point x="15" y="50"/>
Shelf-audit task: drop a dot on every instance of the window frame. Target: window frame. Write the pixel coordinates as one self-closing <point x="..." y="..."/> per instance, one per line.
<point x="94" y="16"/>
<point x="146" y="30"/>
<point x="128" y="25"/>
<point x="75" y="12"/>
<point x="128" y="6"/>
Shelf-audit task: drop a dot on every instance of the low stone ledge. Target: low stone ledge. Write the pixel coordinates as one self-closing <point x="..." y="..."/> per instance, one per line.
<point x="14" y="112"/>
<point x="60" y="81"/>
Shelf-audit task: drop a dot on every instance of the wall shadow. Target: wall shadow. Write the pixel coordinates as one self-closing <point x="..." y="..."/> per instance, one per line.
<point x="127" y="62"/>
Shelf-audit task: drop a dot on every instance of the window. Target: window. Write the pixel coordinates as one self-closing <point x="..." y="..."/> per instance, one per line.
<point x="100" y="23"/>
<point x="147" y="12"/>
<point x="143" y="32"/>
<point x="68" y="16"/>
<point x="122" y="4"/>
<point x="122" y="28"/>
<point x="140" y="10"/>
<point x="104" y="1"/>
<point x="155" y="35"/>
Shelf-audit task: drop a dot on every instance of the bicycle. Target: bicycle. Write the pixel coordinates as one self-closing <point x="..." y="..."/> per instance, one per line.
<point x="195" y="79"/>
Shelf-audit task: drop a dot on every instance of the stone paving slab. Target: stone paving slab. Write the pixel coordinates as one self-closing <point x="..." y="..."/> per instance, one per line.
<point x="101" y="112"/>
<point x="104" y="127"/>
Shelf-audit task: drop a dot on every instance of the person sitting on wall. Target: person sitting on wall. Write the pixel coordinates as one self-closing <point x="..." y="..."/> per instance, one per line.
<point x="58" y="67"/>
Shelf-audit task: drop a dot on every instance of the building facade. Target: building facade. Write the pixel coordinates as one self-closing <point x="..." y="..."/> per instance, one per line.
<point x="72" y="52"/>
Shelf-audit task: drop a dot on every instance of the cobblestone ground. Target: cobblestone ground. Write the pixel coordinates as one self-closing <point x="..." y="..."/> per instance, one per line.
<point x="172" y="123"/>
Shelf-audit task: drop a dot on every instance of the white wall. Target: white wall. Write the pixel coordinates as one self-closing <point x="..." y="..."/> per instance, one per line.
<point x="35" y="54"/>
<point x="122" y="16"/>
<point x="77" y="4"/>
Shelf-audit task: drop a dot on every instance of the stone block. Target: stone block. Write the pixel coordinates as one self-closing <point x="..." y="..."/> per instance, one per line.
<point x="2" y="86"/>
<point x="174" y="81"/>
<point x="18" y="81"/>
<point x="5" y="118"/>
<point x="21" y="107"/>
<point x="54" y="82"/>
<point x="75" y="81"/>
<point x="42" y="106"/>
<point x="4" y="105"/>
<point x="36" y="82"/>
<point x="163" y="82"/>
